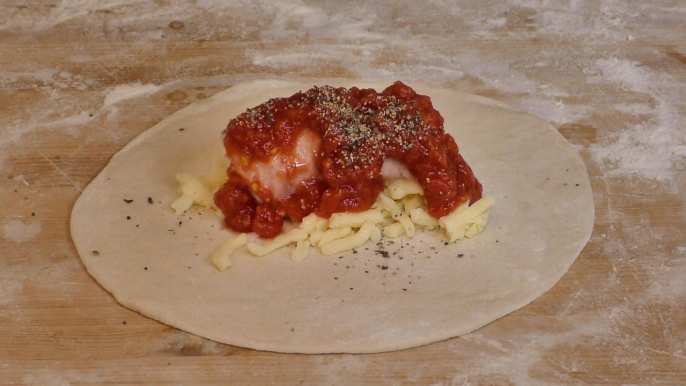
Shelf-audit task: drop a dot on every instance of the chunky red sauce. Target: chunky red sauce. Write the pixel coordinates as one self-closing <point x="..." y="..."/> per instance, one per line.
<point x="355" y="130"/>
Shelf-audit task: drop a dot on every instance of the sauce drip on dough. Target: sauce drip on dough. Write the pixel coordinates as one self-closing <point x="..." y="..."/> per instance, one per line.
<point x="323" y="151"/>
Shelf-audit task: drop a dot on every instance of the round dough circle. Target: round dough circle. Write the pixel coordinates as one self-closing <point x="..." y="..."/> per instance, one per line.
<point x="158" y="264"/>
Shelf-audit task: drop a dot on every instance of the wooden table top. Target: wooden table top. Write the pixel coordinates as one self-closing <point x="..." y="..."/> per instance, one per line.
<point x="78" y="80"/>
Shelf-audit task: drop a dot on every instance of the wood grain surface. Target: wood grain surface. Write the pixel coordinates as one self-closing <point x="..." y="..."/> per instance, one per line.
<point x="79" y="80"/>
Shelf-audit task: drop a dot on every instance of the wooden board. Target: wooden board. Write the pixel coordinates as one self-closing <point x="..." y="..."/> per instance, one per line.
<point x="78" y="81"/>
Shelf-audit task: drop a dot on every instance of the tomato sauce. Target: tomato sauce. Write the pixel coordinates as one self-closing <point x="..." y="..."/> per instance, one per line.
<point x="356" y="130"/>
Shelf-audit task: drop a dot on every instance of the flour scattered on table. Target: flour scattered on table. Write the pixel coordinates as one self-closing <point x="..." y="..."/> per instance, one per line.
<point x="10" y="290"/>
<point x="127" y="91"/>
<point x="656" y="147"/>
<point x="20" y="231"/>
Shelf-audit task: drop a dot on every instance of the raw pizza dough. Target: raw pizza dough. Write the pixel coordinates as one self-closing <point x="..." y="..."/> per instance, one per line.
<point x="158" y="264"/>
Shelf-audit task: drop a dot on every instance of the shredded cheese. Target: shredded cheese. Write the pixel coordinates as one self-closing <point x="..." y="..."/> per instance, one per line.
<point x="334" y="234"/>
<point x="193" y="191"/>
<point x="350" y="242"/>
<point x="216" y="177"/>
<point x="389" y="205"/>
<point x="394" y="230"/>
<point x="465" y="217"/>
<point x="355" y="220"/>
<point x="420" y="217"/>
<point x="222" y="256"/>
<point x="413" y="202"/>
<point x="200" y="190"/>
<point x="278" y="242"/>
<point x="302" y="248"/>
<point x="404" y="187"/>
<point x="399" y="210"/>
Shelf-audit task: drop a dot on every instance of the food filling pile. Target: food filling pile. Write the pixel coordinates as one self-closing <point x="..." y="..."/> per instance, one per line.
<point x="349" y="165"/>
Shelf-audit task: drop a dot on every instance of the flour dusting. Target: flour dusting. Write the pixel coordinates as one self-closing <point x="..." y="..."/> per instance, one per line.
<point x="655" y="148"/>
<point x="46" y="378"/>
<point x="670" y="289"/>
<point x="9" y="290"/>
<point x="128" y="91"/>
<point x="650" y="150"/>
<point x="19" y="231"/>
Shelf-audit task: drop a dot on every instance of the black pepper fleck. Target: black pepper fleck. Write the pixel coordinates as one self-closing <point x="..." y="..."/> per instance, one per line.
<point x="128" y="201"/>
<point x="95" y="253"/>
<point x="460" y="254"/>
<point x="149" y="200"/>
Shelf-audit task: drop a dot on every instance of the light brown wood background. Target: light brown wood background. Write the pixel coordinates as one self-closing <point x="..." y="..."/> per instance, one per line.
<point x="610" y="75"/>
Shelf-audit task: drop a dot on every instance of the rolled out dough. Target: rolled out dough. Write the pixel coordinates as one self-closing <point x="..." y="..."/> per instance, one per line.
<point x="423" y="292"/>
